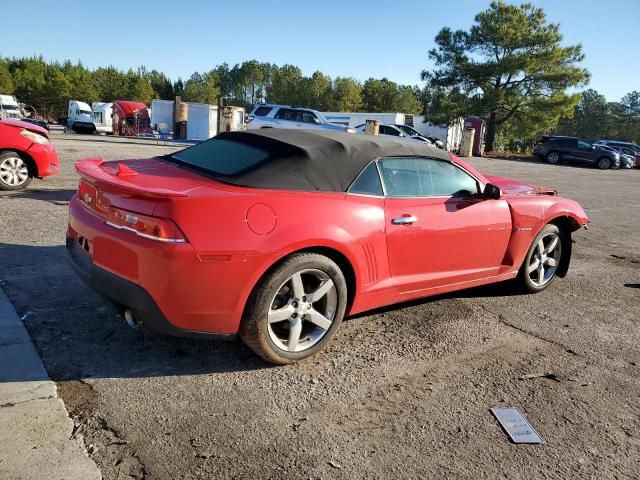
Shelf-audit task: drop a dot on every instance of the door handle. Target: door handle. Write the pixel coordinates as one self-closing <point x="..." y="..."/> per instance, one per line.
<point x="404" y="220"/>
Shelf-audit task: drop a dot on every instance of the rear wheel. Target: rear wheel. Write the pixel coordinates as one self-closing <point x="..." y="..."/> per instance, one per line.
<point x="543" y="259"/>
<point x="604" y="163"/>
<point x="296" y="309"/>
<point x="14" y="172"/>
<point x="553" y="158"/>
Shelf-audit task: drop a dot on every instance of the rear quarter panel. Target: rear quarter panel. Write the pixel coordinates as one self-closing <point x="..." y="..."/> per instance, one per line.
<point x="216" y="223"/>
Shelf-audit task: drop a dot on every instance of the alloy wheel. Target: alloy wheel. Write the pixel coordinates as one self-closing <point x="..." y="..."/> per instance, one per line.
<point x="604" y="163"/>
<point x="553" y="158"/>
<point x="13" y="171"/>
<point x="302" y="310"/>
<point x="545" y="259"/>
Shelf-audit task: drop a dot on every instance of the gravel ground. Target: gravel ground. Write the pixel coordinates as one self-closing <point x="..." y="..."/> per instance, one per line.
<point x="401" y="393"/>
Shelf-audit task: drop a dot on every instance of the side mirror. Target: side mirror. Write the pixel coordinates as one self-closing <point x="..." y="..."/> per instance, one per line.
<point x="491" y="192"/>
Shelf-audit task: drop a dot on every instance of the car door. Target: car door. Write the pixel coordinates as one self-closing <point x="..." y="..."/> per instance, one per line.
<point x="440" y="231"/>
<point x="584" y="152"/>
<point x="568" y="148"/>
<point x="288" y="118"/>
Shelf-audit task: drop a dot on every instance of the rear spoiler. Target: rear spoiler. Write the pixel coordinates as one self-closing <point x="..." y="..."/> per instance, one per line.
<point x="116" y="179"/>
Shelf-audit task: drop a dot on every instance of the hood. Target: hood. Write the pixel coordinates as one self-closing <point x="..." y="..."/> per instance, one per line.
<point x="510" y="186"/>
<point x="26" y="125"/>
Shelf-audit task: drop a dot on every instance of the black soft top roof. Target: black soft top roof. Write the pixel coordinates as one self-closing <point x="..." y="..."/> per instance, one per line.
<point x="317" y="159"/>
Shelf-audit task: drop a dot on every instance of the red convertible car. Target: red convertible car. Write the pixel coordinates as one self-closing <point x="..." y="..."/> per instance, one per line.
<point x="277" y="234"/>
<point x="25" y="153"/>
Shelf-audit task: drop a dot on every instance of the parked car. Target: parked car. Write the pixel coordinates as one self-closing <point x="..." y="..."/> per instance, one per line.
<point x="40" y="123"/>
<point x="618" y="143"/>
<point x="629" y="152"/>
<point x="277" y="234"/>
<point x="25" y="153"/>
<point x="286" y="116"/>
<point x="626" y="161"/>
<point x="394" y="131"/>
<point x="555" y="149"/>
<point x="413" y="133"/>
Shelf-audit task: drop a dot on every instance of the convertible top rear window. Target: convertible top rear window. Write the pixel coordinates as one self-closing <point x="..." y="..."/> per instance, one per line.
<point x="222" y="157"/>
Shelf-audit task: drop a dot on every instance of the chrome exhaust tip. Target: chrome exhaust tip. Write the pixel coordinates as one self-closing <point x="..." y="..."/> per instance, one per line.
<point x="131" y="318"/>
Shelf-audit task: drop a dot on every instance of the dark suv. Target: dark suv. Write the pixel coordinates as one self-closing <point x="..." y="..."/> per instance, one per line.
<point x="553" y="149"/>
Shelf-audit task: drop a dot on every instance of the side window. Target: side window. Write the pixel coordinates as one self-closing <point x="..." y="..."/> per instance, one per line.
<point x="286" y="114"/>
<point x="368" y="182"/>
<point x="262" y="111"/>
<point x="566" y="143"/>
<point x="308" y="117"/>
<point x="583" y="145"/>
<point x="425" y="177"/>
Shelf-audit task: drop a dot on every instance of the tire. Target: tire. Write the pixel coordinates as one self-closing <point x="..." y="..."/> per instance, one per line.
<point x="271" y="332"/>
<point x="550" y="263"/>
<point x="553" y="158"/>
<point x="14" y="171"/>
<point x="616" y="164"/>
<point x="604" y="163"/>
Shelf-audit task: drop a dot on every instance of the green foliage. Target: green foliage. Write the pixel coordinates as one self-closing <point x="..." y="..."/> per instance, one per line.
<point x="594" y="118"/>
<point x="510" y="68"/>
<point x="49" y="86"/>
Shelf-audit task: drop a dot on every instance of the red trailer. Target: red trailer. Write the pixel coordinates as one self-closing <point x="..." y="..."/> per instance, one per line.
<point x="131" y="119"/>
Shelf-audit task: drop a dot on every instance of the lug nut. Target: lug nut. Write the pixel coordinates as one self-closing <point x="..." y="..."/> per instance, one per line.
<point x="294" y="315"/>
<point x="295" y="304"/>
<point x="304" y="299"/>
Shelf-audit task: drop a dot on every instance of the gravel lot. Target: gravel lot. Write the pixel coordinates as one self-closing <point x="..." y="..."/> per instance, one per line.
<point x="401" y="393"/>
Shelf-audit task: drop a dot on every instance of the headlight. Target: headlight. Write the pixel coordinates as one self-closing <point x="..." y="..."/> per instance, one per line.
<point x="35" y="137"/>
<point x="350" y="130"/>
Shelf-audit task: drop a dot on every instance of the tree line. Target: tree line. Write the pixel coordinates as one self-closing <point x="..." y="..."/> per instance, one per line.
<point x="48" y="86"/>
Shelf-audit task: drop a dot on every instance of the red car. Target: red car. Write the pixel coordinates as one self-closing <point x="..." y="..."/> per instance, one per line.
<point x="277" y="234"/>
<point x="25" y="153"/>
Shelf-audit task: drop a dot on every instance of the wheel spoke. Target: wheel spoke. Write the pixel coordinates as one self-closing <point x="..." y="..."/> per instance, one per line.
<point x="540" y="247"/>
<point x="280" y="314"/>
<point x="552" y="245"/>
<point x="294" y="334"/>
<point x="540" y="274"/>
<point x="318" y="319"/>
<point x="551" y="262"/>
<point x="321" y="291"/>
<point x="298" y="287"/>
<point x="533" y="266"/>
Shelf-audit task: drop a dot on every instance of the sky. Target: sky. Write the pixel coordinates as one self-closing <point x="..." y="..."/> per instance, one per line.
<point x="354" y="38"/>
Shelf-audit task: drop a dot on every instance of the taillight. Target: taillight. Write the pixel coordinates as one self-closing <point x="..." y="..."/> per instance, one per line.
<point x="158" y="229"/>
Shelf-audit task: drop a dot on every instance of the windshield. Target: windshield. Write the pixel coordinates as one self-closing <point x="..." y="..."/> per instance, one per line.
<point x="322" y="118"/>
<point x="85" y="112"/>
<point x="9" y="107"/>
<point x="409" y="130"/>
<point x="221" y="157"/>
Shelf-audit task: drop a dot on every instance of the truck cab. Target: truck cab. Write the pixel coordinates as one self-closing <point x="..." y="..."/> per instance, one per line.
<point x="80" y="117"/>
<point x="9" y="107"/>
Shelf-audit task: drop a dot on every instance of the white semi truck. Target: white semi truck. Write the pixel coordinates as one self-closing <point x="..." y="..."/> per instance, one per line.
<point x="80" y="117"/>
<point x="103" y="117"/>
<point x="9" y="107"/>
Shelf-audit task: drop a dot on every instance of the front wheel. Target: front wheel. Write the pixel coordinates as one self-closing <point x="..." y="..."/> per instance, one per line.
<point x="553" y="158"/>
<point x="296" y="309"/>
<point x="604" y="163"/>
<point x="543" y="259"/>
<point x="14" y="172"/>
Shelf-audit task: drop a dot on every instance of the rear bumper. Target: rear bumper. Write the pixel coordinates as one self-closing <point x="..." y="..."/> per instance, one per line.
<point x="170" y="287"/>
<point x="127" y="294"/>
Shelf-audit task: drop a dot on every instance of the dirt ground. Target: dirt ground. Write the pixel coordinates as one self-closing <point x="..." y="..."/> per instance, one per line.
<point x="401" y="393"/>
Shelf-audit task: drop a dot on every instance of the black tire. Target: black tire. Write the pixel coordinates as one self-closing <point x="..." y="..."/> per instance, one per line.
<point x="524" y="277"/>
<point x="11" y="156"/>
<point x="254" y="329"/>
<point x="553" y="158"/>
<point x="604" y="163"/>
